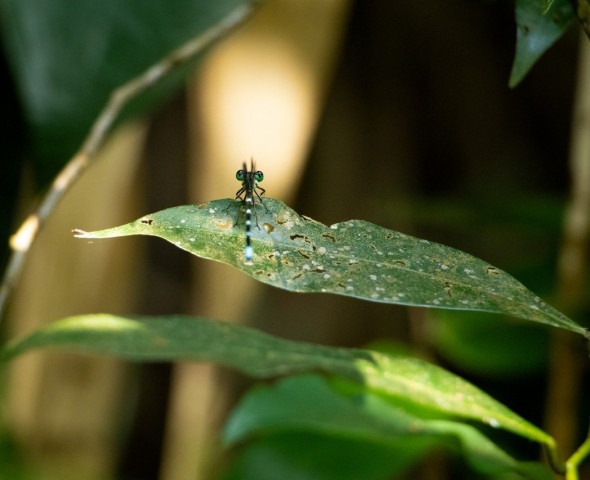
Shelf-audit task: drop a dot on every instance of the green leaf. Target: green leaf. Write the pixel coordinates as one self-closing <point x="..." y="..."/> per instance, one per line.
<point x="478" y="343"/>
<point x="306" y="455"/>
<point x="354" y="258"/>
<point x="310" y="404"/>
<point x="424" y="386"/>
<point x="539" y="24"/>
<point x="67" y="57"/>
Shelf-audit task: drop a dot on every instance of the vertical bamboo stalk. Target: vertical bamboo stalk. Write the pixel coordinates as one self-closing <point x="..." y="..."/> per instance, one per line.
<point x="567" y="358"/>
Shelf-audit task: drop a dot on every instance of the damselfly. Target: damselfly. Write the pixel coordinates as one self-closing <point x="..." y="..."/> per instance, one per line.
<point x="250" y="192"/>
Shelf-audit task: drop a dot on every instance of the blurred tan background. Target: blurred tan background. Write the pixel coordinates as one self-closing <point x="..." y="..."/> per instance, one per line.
<point x="352" y="110"/>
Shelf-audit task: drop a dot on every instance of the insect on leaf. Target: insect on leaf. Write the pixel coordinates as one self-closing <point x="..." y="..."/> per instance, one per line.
<point x="354" y="258"/>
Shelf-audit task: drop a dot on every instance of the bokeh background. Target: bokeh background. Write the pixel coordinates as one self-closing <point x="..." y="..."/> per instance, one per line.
<point x="398" y="113"/>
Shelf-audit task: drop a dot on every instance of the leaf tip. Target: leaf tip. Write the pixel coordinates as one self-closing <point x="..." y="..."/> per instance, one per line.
<point x="80" y="233"/>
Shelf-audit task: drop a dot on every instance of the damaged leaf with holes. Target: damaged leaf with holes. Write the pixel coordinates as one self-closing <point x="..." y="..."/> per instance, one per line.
<point x="354" y="258"/>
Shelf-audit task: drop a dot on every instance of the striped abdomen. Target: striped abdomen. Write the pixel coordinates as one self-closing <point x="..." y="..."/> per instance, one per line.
<point x="248" y="250"/>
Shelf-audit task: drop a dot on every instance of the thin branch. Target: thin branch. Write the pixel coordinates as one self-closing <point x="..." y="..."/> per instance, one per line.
<point x="573" y="463"/>
<point x="21" y="241"/>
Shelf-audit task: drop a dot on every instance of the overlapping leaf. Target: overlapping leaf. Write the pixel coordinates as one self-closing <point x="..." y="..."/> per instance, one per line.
<point x="353" y="258"/>
<point x="426" y="387"/>
<point x="310" y="404"/>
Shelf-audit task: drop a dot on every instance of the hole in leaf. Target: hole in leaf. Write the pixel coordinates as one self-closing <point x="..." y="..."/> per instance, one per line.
<point x="224" y="224"/>
<point x="282" y="218"/>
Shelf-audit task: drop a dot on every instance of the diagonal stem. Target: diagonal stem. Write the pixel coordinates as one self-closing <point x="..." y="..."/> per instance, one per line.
<point x="573" y="463"/>
<point x="22" y="240"/>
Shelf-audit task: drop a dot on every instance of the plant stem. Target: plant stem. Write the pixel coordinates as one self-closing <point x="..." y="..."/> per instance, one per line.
<point x="567" y="358"/>
<point x="576" y="459"/>
<point x="22" y="240"/>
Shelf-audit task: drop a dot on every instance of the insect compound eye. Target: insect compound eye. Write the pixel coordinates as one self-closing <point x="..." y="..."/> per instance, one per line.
<point x="259" y="176"/>
<point x="240" y="175"/>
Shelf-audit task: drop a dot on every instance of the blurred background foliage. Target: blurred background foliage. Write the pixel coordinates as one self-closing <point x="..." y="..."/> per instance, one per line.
<point x="398" y="113"/>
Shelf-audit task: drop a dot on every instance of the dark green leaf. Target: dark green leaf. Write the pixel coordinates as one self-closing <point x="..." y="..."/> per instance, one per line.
<point x="426" y="387"/>
<point x="309" y="404"/>
<point x="354" y="258"/>
<point x="297" y="455"/>
<point x="536" y="31"/>
<point x="68" y="57"/>
<point x="476" y="342"/>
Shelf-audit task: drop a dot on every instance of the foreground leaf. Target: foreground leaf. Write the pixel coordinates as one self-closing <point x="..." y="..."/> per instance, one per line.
<point x="307" y="455"/>
<point x="309" y="404"/>
<point x="354" y="258"/>
<point x="539" y="25"/>
<point x="424" y="386"/>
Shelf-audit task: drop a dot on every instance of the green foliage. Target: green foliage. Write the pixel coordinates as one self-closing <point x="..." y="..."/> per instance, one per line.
<point x="476" y="342"/>
<point x="393" y="395"/>
<point x="66" y="66"/>
<point x="294" y="455"/>
<point x="339" y="414"/>
<point x="355" y="258"/>
<point x="539" y="25"/>
<point x="378" y="414"/>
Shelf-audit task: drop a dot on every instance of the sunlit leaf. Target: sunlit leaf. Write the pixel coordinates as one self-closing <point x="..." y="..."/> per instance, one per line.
<point x="539" y="25"/>
<point x="353" y="258"/>
<point x="424" y="386"/>
<point x="310" y="404"/>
